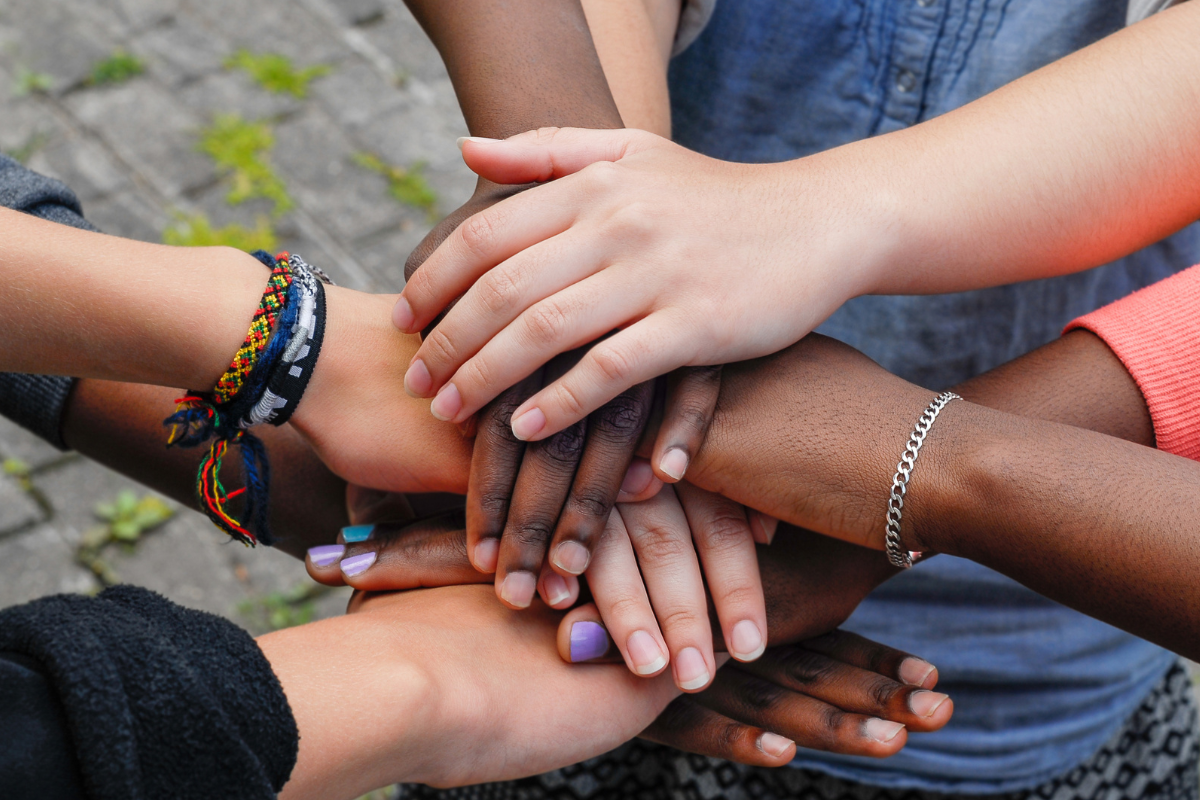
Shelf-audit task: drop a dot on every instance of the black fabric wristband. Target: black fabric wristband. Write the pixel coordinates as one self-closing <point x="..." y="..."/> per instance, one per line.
<point x="160" y="701"/>
<point x="290" y="379"/>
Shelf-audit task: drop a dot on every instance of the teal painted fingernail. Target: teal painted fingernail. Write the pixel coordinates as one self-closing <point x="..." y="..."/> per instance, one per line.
<point x="358" y="533"/>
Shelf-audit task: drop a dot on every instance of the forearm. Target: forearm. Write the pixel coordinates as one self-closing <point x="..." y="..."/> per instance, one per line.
<point x="633" y="39"/>
<point x="1102" y="525"/>
<point x="120" y="425"/>
<point x="1079" y="163"/>
<point x="520" y="65"/>
<point x="88" y="305"/>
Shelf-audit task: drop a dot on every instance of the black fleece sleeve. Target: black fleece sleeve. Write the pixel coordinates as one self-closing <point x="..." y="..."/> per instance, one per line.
<point x="37" y="401"/>
<point x="155" y="700"/>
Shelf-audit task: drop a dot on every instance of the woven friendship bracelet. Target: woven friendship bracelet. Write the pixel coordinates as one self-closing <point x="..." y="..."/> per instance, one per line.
<point x="261" y="325"/>
<point x="896" y="553"/>
<point x="267" y="376"/>
<point x="290" y="376"/>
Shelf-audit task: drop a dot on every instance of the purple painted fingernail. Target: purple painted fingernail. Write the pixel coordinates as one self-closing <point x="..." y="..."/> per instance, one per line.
<point x="357" y="565"/>
<point x="325" y="555"/>
<point x="588" y="640"/>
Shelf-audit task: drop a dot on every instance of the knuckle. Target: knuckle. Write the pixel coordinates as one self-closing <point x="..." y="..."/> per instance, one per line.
<point x="759" y="694"/>
<point x="806" y="668"/>
<point x="613" y="363"/>
<point x="625" y="607"/>
<point x="727" y="736"/>
<point x="478" y="233"/>
<point x="438" y="345"/>
<point x="656" y="542"/>
<point x="833" y="719"/>
<point x="693" y="413"/>
<point x="881" y="691"/>
<point x="475" y="373"/>
<point x="546" y="322"/>
<point x="592" y="503"/>
<point x="622" y="418"/>
<point x="726" y="530"/>
<point x="494" y="504"/>
<point x="564" y="448"/>
<point x="499" y="291"/>
<point x="569" y="400"/>
<point x="530" y="535"/>
<point x="602" y="176"/>
<point x="682" y="618"/>
<point x="742" y="595"/>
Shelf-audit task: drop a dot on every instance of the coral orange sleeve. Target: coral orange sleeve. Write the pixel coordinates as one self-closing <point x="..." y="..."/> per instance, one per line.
<point x="1156" y="334"/>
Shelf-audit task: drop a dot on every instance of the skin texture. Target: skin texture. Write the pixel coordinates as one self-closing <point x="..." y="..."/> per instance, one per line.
<point x="535" y="515"/>
<point x="1074" y="180"/>
<point x="782" y="693"/>
<point x="443" y="695"/>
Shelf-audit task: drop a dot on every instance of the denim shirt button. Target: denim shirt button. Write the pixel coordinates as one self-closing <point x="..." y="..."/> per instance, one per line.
<point x="925" y="3"/>
<point x="906" y="80"/>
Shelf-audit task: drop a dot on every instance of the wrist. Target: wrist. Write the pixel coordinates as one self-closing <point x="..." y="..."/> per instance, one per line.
<point x="211" y="324"/>
<point x="361" y="709"/>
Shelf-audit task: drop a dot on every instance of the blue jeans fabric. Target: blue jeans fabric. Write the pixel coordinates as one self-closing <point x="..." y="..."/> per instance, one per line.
<point x="1038" y="687"/>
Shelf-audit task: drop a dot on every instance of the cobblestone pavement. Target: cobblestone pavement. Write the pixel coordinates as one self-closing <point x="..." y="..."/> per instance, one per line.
<point x="127" y="140"/>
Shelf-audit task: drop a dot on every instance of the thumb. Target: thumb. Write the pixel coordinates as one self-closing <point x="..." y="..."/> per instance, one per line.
<point x="549" y="153"/>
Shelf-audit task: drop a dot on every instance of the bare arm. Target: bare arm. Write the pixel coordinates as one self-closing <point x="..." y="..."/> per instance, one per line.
<point x="1102" y="524"/>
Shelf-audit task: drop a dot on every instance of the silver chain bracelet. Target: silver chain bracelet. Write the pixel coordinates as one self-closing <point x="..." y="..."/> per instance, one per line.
<point x="897" y="555"/>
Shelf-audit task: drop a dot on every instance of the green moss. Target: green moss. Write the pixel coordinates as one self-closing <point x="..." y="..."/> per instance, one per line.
<point x="27" y="149"/>
<point x="30" y="82"/>
<point x="117" y="68"/>
<point x="285" y="609"/>
<point x="197" y="231"/>
<point x="407" y="185"/>
<point x="126" y="518"/>
<point x="275" y="72"/>
<point x="241" y="150"/>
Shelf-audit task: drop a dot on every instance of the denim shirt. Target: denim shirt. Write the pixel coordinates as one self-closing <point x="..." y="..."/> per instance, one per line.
<point x="1037" y="687"/>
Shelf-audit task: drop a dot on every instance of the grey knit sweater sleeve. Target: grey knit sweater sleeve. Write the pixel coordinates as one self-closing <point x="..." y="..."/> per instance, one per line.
<point x="37" y="401"/>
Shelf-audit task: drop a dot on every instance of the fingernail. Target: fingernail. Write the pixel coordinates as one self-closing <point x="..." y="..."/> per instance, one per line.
<point x="645" y="654"/>
<point x="402" y="315"/>
<point x="417" y="381"/>
<point x="774" y="745"/>
<point x="637" y="478"/>
<point x="357" y="533"/>
<point x="325" y="555"/>
<point x="674" y="463"/>
<point x="556" y="589"/>
<point x="915" y="671"/>
<point x="486" y="554"/>
<point x="447" y="404"/>
<point x="588" y="640"/>
<point x="924" y="703"/>
<point x="747" y="643"/>
<point x="571" y="557"/>
<point x="881" y="730"/>
<point x="526" y="426"/>
<point x="357" y="565"/>
<point x="690" y="670"/>
<point x="478" y="139"/>
<point x="518" y="588"/>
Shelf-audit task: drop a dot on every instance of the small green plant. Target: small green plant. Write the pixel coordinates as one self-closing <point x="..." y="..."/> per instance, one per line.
<point x="16" y="468"/>
<point x="126" y="518"/>
<point x="197" y="231"/>
<point x="30" y="82"/>
<point x="240" y="149"/>
<point x="285" y="609"/>
<point x="275" y="72"/>
<point x="406" y="185"/>
<point x="27" y="149"/>
<point x="117" y="68"/>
